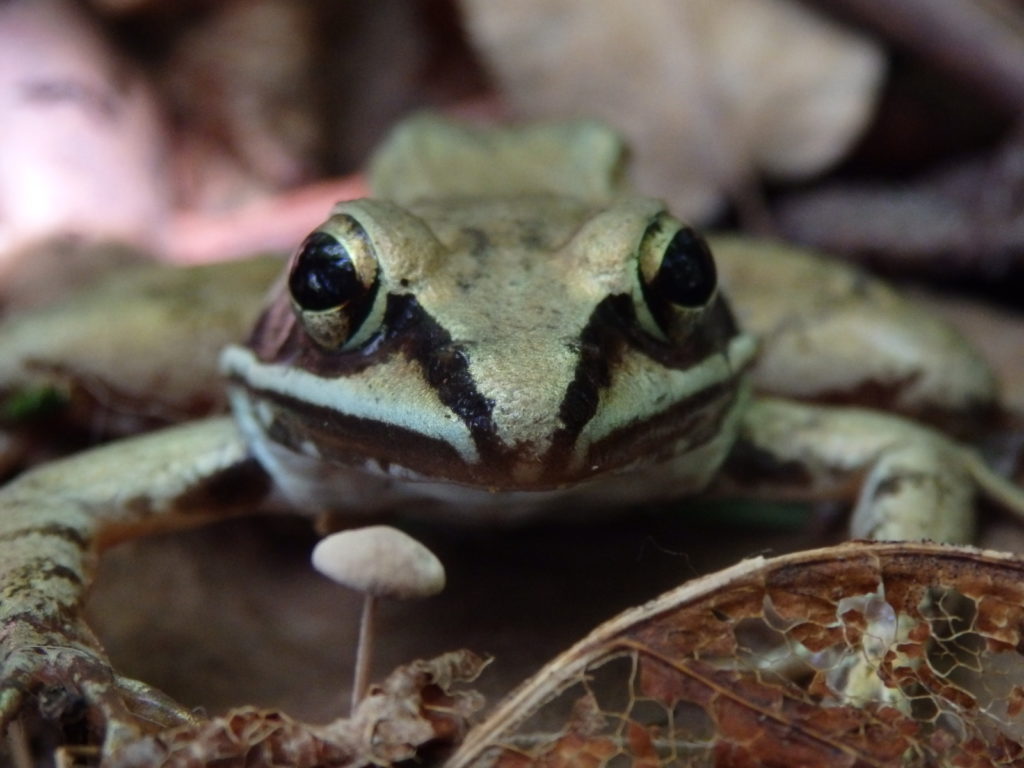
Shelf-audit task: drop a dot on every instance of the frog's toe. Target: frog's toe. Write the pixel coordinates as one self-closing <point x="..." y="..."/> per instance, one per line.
<point x="153" y="706"/>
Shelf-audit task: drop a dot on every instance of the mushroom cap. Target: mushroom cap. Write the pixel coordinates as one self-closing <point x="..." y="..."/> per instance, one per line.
<point x="381" y="561"/>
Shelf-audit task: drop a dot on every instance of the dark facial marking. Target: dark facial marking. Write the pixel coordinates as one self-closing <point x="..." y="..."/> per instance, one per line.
<point x="351" y="440"/>
<point x="698" y="418"/>
<point x="600" y="344"/>
<point x="611" y="329"/>
<point x="445" y="365"/>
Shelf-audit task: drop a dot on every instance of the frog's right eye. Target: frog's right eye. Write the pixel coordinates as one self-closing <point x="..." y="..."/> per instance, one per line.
<point x="677" y="278"/>
<point x="685" y="273"/>
<point x="333" y="282"/>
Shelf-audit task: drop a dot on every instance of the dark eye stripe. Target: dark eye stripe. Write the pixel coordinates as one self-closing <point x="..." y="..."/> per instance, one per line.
<point x="446" y="367"/>
<point x="612" y="328"/>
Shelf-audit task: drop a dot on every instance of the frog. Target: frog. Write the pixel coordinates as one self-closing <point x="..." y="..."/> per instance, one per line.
<point x="503" y="330"/>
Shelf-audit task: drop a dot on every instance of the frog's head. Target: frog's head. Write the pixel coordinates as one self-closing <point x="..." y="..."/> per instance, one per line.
<point x="515" y="343"/>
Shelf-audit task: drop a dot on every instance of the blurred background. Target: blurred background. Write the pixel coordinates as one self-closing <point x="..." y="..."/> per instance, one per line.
<point x="888" y="132"/>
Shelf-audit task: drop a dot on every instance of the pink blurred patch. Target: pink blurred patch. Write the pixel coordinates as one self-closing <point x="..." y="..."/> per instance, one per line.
<point x="274" y="223"/>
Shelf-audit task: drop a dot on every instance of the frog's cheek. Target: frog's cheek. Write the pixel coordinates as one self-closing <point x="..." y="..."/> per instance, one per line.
<point x="391" y="405"/>
<point x="652" y="411"/>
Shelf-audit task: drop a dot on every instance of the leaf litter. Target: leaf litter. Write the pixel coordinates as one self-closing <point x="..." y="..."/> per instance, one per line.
<point x="862" y="654"/>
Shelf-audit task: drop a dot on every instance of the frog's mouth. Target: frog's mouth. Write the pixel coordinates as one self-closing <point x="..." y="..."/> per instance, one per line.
<point x="386" y="427"/>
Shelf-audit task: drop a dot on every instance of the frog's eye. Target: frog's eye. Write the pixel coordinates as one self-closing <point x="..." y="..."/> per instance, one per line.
<point x="683" y="273"/>
<point x="323" y="275"/>
<point x="677" y="275"/>
<point x="333" y="282"/>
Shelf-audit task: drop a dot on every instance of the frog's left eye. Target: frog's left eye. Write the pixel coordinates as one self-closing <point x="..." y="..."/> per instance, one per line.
<point x="333" y="282"/>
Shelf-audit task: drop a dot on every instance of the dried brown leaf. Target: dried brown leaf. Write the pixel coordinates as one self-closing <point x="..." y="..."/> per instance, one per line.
<point x="865" y="654"/>
<point x="414" y="708"/>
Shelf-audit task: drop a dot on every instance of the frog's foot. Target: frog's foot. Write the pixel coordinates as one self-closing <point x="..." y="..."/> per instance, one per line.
<point x="920" y="490"/>
<point x="69" y="677"/>
<point x="914" y="483"/>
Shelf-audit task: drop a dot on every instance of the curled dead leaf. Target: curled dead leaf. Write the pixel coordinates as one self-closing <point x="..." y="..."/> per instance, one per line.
<point x="862" y="654"/>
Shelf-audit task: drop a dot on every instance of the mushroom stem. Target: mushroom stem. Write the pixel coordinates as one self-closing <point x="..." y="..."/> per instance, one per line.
<point x="364" y="650"/>
<point x="378" y="561"/>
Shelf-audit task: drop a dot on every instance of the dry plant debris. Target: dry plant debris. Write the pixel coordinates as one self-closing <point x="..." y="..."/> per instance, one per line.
<point x="414" y="709"/>
<point x="858" y="655"/>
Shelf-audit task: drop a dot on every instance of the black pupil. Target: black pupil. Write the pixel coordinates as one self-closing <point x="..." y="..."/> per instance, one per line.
<point x="323" y="276"/>
<point x="687" y="274"/>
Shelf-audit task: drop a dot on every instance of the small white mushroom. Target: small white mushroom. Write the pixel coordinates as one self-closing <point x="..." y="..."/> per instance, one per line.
<point x="379" y="561"/>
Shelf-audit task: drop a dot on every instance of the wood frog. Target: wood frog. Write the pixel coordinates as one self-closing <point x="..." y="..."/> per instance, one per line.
<point x="502" y="331"/>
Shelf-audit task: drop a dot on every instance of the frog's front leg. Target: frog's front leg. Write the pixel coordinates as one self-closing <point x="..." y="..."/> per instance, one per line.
<point x="54" y="521"/>
<point x="909" y="481"/>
